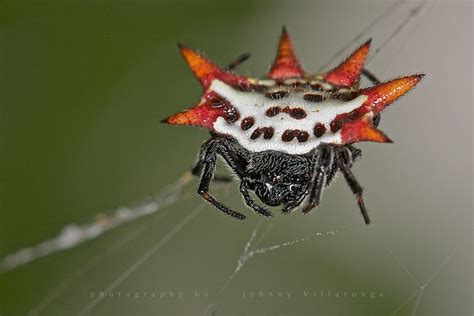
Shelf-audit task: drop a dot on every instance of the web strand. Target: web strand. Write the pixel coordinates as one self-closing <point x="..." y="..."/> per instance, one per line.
<point x="93" y="262"/>
<point x="73" y="235"/>
<point x="389" y="11"/>
<point x="239" y="265"/>
<point x="403" y="24"/>
<point x="249" y="254"/>
<point x="421" y="286"/>
<point x="138" y="263"/>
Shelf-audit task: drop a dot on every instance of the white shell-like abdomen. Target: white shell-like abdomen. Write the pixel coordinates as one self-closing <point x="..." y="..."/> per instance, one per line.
<point x="254" y="105"/>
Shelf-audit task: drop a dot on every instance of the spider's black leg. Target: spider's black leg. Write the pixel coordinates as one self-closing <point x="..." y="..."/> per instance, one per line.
<point x="316" y="189"/>
<point x="372" y="78"/>
<point x="288" y="208"/>
<point x="251" y="203"/>
<point x="331" y="174"/>
<point x="355" y="152"/>
<point x="197" y="169"/>
<point x="239" y="60"/>
<point x="376" y="120"/>
<point x="355" y="187"/>
<point x="318" y="181"/>
<point x="207" y="160"/>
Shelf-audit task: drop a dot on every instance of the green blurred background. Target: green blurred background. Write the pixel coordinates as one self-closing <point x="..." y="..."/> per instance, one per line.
<point x="84" y="85"/>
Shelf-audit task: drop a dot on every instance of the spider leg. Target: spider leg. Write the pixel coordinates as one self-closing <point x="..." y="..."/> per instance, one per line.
<point x="372" y="78"/>
<point x="288" y="208"/>
<point x="369" y="75"/>
<point x="376" y="120"/>
<point x="318" y="182"/>
<point x="197" y="169"/>
<point x="356" y="153"/>
<point x="316" y="190"/>
<point x="239" y="60"/>
<point x="251" y="203"/>
<point x="207" y="161"/>
<point x="356" y="190"/>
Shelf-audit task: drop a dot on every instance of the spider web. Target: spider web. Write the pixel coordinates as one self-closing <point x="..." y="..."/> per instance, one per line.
<point x="75" y="234"/>
<point x="253" y="247"/>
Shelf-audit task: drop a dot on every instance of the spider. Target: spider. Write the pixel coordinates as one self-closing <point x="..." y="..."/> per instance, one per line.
<point x="287" y="135"/>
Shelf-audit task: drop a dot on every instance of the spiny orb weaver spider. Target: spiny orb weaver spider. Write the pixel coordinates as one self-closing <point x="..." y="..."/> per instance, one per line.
<point x="287" y="135"/>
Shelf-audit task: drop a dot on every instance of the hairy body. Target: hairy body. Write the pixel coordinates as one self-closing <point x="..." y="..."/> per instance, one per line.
<point x="277" y="178"/>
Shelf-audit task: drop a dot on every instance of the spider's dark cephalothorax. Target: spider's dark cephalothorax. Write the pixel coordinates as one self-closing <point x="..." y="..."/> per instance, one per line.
<point x="286" y="136"/>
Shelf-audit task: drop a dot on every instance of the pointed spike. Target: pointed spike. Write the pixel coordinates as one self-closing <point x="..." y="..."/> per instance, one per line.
<point x="204" y="70"/>
<point x="285" y="65"/>
<point x="348" y="73"/>
<point x="187" y="117"/>
<point x="382" y="95"/>
<point x="362" y="130"/>
<point x="197" y="116"/>
<point x="205" y="114"/>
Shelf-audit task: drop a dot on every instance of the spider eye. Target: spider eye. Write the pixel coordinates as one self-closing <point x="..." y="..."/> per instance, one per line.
<point x="272" y="176"/>
<point x="296" y="179"/>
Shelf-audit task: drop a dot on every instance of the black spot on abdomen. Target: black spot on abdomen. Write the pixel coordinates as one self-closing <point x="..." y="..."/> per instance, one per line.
<point x="302" y="136"/>
<point x="247" y="123"/>
<point x="335" y="125"/>
<point x="288" y="135"/>
<point x="276" y="95"/>
<point x="319" y="130"/>
<point x="232" y="115"/>
<point x="346" y="96"/>
<point x="266" y="131"/>
<point x="256" y="134"/>
<point x="313" y="97"/>
<point x="273" y="111"/>
<point x="297" y="113"/>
